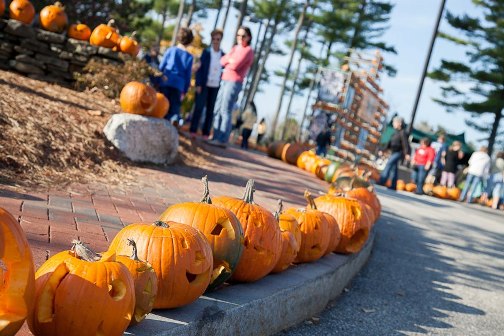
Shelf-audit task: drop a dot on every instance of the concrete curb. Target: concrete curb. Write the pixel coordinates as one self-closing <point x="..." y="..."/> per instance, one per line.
<point x="265" y="307"/>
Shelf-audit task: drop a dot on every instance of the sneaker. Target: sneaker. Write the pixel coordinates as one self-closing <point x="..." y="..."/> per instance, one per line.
<point x="216" y="143"/>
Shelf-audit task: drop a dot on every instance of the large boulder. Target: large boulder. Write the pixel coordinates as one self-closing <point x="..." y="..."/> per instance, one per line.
<point x="143" y="139"/>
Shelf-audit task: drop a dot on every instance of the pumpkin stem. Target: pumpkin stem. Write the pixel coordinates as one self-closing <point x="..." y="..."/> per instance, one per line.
<point x="310" y="200"/>
<point x="248" y="196"/>
<point x="161" y="223"/>
<point x="134" y="253"/>
<point x="277" y="213"/>
<point x="110" y="22"/>
<point x="133" y="35"/>
<point x="59" y="4"/>
<point x="206" y="194"/>
<point x="84" y="252"/>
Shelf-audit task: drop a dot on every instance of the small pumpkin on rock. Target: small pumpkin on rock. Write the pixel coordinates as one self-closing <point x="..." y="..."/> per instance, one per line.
<point x="129" y="45"/>
<point x="138" y="98"/>
<point x="161" y="108"/>
<point x="22" y="10"/>
<point x="53" y="18"/>
<point x="291" y="239"/>
<point x="79" y="31"/>
<point x="105" y="35"/>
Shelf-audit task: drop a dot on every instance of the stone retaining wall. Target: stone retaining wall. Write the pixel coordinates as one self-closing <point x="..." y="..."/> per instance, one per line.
<point x="47" y="56"/>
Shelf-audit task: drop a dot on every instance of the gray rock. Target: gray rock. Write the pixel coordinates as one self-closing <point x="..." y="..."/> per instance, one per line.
<point x="57" y="48"/>
<point x="80" y="47"/>
<point x="59" y="63"/>
<point x="57" y="72"/>
<point x="4" y="64"/>
<point x="109" y="53"/>
<point x="3" y="23"/>
<point x="30" y="60"/>
<point x="66" y="55"/>
<point x="143" y="139"/>
<point x="28" y="68"/>
<point x="23" y="51"/>
<point x="47" y="36"/>
<point x="37" y="46"/>
<point x="17" y="28"/>
<point x="5" y="54"/>
<point x="80" y="58"/>
<point x="6" y="47"/>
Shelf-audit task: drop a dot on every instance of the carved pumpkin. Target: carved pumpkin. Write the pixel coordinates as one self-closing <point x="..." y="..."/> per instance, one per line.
<point x="453" y="193"/>
<point x="354" y="226"/>
<point x="291" y="239"/>
<point x="79" y="31"/>
<point x="335" y="234"/>
<point x="105" y="36"/>
<point x="22" y="10"/>
<point x="400" y="185"/>
<point x="161" y="108"/>
<point x="137" y="98"/>
<point x="144" y="280"/>
<point x="346" y="183"/>
<point x="411" y="187"/>
<point x="440" y="192"/>
<point x="17" y="275"/>
<point x="53" y="18"/>
<point x="263" y="241"/>
<point x="129" y="45"/>
<point x="367" y="196"/>
<point x="2" y="7"/>
<point x="221" y="228"/>
<point x="80" y="293"/>
<point x="180" y="255"/>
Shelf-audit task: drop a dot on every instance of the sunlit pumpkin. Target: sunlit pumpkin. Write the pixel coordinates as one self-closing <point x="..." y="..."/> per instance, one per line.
<point x="440" y="191"/>
<point x="221" y="228"/>
<point x="263" y="241"/>
<point x="411" y="187"/>
<point x="354" y="226"/>
<point x="180" y="255"/>
<point x="53" y="18"/>
<point x="367" y="196"/>
<point x="161" y="108"/>
<point x="428" y="188"/>
<point x="291" y="239"/>
<point x="144" y="280"/>
<point x="80" y="293"/>
<point x="22" y="10"/>
<point x="335" y="234"/>
<point x="17" y="275"/>
<point x="2" y="7"/>
<point x="453" y="193"/>
<point x="105" y="35"/>
<point x="79" y="31"/>
<point x="346" y="183"/>
<point x="304" y="158"/>
<point x="137" y="98"/>
<point x="129" y="45"/>
<point x="400" y="185"/>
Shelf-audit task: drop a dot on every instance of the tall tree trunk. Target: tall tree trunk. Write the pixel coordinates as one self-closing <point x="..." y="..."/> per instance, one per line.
<point x="243" y="12"/>
<point x="226" y="15"/>
<point x="190" y="12"/>
<point x="163" y="22"/>
<point x="296" y="75"/>
<point x="357" y="30"/>
<point x="493" y="133"/>
<point x="328" y="54"/>
<point x="218" y="15"/>
<point x="289" y="64"/>
<point x="178" y="23"/>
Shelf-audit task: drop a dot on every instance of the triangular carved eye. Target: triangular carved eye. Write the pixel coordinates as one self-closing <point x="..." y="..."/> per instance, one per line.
<point x="316" y="226"/>
<point x="190" y="277"/>
<point x="217" y="230"/>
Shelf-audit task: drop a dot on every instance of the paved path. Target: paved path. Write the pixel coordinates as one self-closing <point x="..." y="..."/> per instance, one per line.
<point x="437" y="268"/>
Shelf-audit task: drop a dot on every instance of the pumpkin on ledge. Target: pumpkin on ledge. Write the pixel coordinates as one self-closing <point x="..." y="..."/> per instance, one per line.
<point x="53" y="18"/>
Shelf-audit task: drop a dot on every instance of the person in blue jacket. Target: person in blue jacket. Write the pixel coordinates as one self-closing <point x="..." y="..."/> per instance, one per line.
<point x="207" y="84"/>
<point x="176" y="67"/>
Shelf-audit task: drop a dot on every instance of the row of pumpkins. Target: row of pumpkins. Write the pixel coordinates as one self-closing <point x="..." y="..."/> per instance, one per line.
<point x="140" y="98"/>
<point x="193" y="247"/>
<point x="54" y="19"/>
<point x="439" y="191"/>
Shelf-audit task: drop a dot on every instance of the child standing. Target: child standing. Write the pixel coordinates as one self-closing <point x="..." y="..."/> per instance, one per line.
<point x="450" y="160"/>
<point x="422" y="163"/>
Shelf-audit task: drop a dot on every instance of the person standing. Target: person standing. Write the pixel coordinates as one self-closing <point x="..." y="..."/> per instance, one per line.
<point x="479" y="167"/>
<point x="176" y="67"/>
<point x="434" y="176"/>
<point x="323" y="140"/>
<point x="261" y="131"/>
<point x="422" y="162"/>
<point x="399" y="147"/>
<point x="249" y="118"/>
<point x="450" y="160"/>
<point x="208" y="80"/>
<point x="236" y="65"/>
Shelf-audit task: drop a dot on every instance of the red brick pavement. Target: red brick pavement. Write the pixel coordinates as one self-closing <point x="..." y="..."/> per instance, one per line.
<point x="95" y="213"/>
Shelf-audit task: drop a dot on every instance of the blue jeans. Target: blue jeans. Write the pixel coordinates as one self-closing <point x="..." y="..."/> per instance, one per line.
<point x="321" y="151"/>
<point x="173" y="96"/>
<point x="228" y="94"/>
<point x="471" y="183"/>
<point x="204" y="99"/>
<point x="391" y="170"/>
<point x="418" y="175"/>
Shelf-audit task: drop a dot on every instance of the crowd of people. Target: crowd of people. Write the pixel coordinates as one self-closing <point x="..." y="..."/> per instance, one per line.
<point x="219" y="78"/>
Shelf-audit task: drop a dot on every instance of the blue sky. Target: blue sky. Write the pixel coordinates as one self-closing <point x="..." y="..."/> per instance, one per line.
<point x="411" y="27"/>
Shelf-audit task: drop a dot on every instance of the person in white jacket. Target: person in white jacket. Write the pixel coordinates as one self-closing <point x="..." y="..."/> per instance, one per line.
<point x="479" y="167"/>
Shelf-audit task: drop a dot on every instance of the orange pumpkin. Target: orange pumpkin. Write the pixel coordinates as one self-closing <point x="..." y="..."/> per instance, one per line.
<point x="129" y="45"/>
<point x="2" y="7"/>
<point x="221" y="228"/>
<point x="17" y="275"/>
<point x="453" y="193"/>
<point x="53" y="18"/>
<point x="440" y="191"/>
<point x="180" y="255"/>
<point x="428" y="188"/>
<point x="79" y="31"/>
<point x="335" y="234"/>
<point x="263" y="241"/>
<point x="105" y="36"/>
<point x="411" y="187"/>
<point x="291" y="239"/>
<point x="22" y="10"/>
<point x="80" y="293"/>
<point x="161" y="108"/>
<point x="138" y="98"/>
<point x="400" y="185"/>
<point x="144" y="280"/>
<point x="304" y="158"/>
<point x="354" y="225"/>
<point x="367" y="196"/>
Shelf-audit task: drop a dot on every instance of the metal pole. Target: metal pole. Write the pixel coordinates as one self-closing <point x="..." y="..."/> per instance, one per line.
<point x="426" y="66"/>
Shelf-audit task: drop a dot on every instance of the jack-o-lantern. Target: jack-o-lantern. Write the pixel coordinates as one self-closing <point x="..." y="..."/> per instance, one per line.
<point x="161" y="108"/>
<point x="354" y="225"/>
<point x="22" y="10"/>
<point x="129" y="45"/>
<point x="180" y="255"/>
<point x="17" y="275"/>
<point x="221" y="228"/>
<point x="80" y="293"/>
<point x="263" y="241"/>
<point x="79" y="31"/>
<point x="53" y="18"/>
<point x="291" y="239"/>
<point x="145" y="281"/>
<point x="137" y="98"/>
<point x="367" y="196"/>
<point x="105" y="35"/>
<point x="335" y="234"/>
